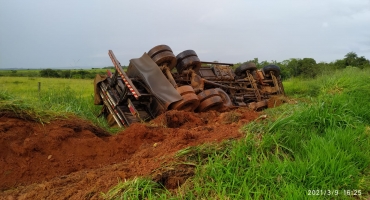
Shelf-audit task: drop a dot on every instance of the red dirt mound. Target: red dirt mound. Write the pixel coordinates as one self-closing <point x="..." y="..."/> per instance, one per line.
<point x="74" y="159"/>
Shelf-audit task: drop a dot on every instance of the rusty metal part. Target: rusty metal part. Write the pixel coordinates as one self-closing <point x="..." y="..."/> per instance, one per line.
<point x="170" y="77"/>
<point x="189" y="100"/>
<point x="206" y="73"/>
<point x="189" y="103"/>
<point x="207" y="94"/>
<point x="225" y="97"/>
<point x="260" y="76"/>
<point x="185" y="89"/>
<point x="276" y="84"/>
<point x="254" y="85"/>
<point x="217" y="73"/>
<point x="218" y="85"/>
<point x="211" y="103"/>
<point x="168" y="73"/>
<point x="268" y="90"/>
<point x="281" y="86"/>
<point x="223" y="73"/>
<point x="197" y="82"/>
<point x="165" y="58"/>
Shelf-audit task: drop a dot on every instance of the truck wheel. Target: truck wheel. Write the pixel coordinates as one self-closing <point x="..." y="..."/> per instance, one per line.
<point x="191" y="62"/>
<point x="185" y="89"/>
<point x="158" y="49"/>
<point x="165" y="57"/>
<point x="271" y="68"/>
<point x="207" y="94"/>
<point x="185" y="54"/>
<point x="212" y="103"/>
<point x="239" y="71"/>
<point x="188" y="103"/>
<point x="225" y="97"/>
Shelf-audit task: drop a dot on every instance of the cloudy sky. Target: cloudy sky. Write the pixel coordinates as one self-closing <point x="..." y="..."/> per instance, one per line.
<point x="79" y="33"/>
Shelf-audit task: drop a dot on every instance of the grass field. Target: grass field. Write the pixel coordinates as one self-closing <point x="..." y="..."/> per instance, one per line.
<point x="317" y="148"/>
<point x="321" y="144"/>
<point x="56" y="97"/>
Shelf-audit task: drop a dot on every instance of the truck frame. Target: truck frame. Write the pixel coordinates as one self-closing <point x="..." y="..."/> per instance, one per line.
<point x="151" y="86"/>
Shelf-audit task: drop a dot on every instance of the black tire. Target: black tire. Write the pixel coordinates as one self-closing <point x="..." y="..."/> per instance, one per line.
<point x="165" y="57"/>
<point x="158" y="49"/>
<point x="185" y="54"/>
<point x="239" y="71"/>
<point x="191" y="62"/>
<point x="271" y="68"/>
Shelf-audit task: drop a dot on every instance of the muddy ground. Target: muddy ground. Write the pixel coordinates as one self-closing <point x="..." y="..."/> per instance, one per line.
<point x="73" y="159"/>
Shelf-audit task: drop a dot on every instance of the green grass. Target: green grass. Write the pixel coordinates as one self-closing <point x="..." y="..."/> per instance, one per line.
<point x="137" y="188"/>
<point x="58" y="97"/>
<point x="321" y="143"/>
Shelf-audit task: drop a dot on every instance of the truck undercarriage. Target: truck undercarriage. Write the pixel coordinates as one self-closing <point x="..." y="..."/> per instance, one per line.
<point x="159" y="81"/>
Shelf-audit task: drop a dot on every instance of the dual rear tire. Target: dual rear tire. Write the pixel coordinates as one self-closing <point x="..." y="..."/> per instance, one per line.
<point x="186" y="60"/>
<point x="213" y="99"/>
<point x="189" y="100"/>
<point x="161" y="55"/>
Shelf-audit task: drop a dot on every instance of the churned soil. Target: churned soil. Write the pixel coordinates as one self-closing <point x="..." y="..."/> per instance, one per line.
<point x="73" y="159"/>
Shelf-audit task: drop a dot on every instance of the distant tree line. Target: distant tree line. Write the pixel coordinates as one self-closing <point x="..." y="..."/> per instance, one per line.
<point x="76" y="74"/>
<point x="294" y="67"/>
<point x="309" y="68"/>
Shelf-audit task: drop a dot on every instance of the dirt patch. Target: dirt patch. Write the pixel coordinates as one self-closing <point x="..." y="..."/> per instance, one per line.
<point x="72" y="159"/>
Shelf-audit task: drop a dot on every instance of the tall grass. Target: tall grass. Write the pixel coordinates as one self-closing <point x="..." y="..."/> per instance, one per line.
<point x="322" y="145"/>
<point x="59" y="96"/>
<point x="137" y="188"/>
<point x="318" y="148"/>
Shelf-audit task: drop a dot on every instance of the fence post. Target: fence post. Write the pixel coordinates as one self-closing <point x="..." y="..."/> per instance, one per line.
<point x="39" y="89"/>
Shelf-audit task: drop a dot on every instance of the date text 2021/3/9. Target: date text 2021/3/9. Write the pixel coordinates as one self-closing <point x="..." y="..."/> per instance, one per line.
<point x="334" y="192"/>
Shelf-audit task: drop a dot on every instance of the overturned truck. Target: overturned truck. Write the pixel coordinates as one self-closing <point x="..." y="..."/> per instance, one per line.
<point x="159" y="81"/>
